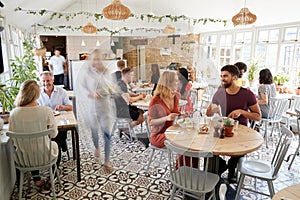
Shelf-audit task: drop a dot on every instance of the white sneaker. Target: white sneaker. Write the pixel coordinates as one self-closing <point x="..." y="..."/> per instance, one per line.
<point x="97" y="155"/>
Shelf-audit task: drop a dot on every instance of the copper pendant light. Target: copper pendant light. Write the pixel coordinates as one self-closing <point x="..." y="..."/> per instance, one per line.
<point x="89" y="28"/>
<point x="116" y="11"/>
<point x="244" y="17"/>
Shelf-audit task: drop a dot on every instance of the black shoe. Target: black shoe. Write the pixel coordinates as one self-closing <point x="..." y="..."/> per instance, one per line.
<point x="232" y="180"/>
<point x="64" y="146"/>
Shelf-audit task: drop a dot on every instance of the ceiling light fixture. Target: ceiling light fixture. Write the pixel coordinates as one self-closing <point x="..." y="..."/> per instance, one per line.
<point x="89" y="28"/>
<point x="244" y="17"/>
<point x="116" y="11"/>
<point x="82" y="43"/>
<point x="169" y="29"/>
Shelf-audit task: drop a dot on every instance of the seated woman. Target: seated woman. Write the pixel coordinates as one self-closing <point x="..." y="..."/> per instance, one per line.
<point x="29" y="117"/>
<point x="185" y="87"/>
<point x="266" y="90"/>
<point x="163" y="107"/>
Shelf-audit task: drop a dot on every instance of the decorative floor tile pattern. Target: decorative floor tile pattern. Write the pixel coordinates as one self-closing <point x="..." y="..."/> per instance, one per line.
<point x="129" y="179"/>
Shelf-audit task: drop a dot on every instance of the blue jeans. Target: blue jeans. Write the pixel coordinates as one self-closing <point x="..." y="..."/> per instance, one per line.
<point x="107" y="142"/>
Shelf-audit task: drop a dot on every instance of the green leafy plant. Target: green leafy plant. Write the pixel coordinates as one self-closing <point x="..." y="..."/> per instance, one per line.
<point x="7" y="97"/>
<point x="227" y="122"/>
<point x="280" y="78"/>
<point x="253" y="70"/>
<point x="24" y="68"/>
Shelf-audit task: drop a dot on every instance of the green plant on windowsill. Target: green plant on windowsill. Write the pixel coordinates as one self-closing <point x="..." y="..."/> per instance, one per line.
<point x="253" y="70"/>
<point x="280" y="78"/>
<point x="7" y="98"/>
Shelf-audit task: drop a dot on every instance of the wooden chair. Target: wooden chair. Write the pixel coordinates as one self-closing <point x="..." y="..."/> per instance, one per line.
<point x="262" y="169"/>
<point x="33" y="151"/>
<point x="195" y="182"/>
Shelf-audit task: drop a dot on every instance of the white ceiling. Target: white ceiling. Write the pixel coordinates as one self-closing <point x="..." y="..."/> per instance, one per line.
<point x="268" y="12"/>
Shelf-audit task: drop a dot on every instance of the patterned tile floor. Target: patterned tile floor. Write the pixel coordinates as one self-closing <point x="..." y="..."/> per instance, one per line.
<point x="129" y="180"/>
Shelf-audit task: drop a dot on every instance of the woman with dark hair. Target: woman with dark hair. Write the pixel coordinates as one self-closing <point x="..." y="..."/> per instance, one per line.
<point x="185" y="87"/>
<point x="266" y="90"/>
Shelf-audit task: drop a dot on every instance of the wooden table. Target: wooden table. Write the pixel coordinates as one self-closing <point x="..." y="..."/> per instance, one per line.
<point x="66" y="121"/>
<point x="289" y="193"/>
<point x="244" y="141"/>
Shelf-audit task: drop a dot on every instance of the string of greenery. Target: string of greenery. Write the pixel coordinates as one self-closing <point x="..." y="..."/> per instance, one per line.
<point x="99" y="16"/>
<point x="103" y="29"/>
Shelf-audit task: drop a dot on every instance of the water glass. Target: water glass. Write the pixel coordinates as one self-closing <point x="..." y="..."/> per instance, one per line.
<point x="236" y="126"/>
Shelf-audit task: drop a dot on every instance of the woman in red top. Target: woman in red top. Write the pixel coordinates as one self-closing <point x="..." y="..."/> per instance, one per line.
<point x="163" y="108"/>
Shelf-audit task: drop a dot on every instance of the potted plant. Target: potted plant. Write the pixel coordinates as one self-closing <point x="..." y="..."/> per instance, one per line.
<point x="253" y="70"/>
<point x="7" y="98"/>
<point x="228" y="127"/>
<point x="280" y="78"/>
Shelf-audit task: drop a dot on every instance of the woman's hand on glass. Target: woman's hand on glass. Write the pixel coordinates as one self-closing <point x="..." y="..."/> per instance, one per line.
<point x="172" y="116"/>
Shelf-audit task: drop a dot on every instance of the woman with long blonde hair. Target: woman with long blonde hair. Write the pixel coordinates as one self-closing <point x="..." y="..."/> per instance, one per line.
<point x="163" y="107"/>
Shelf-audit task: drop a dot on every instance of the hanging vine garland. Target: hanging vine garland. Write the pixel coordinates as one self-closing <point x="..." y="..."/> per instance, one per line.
<point x="99" y="16"/>
<point x="103" y="29"/>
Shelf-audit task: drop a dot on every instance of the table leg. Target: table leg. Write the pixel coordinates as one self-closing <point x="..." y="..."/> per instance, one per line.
<point x="73" y="144"/>
<point x="77" y="154"/>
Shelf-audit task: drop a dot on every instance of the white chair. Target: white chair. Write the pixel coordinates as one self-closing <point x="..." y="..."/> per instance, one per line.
<point x="123" y="123"/>
<point x="262" y="169"/>
<point x="152" y="147"/>
<point x="33" y="151"/>
<point x="278" y="106"/>
<point x="195" y="182"/>
<point x="298" y="135"/>
<point x="294" y="103"/>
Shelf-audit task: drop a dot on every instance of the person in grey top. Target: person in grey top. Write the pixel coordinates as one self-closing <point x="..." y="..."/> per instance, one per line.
<point x="266" y="90"/>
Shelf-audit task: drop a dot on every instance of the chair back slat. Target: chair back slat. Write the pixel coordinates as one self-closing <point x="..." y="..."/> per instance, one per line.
<point x="32" y="149"/>
<point x="281" y="149"/>
<point x="278" y="107"/>
<point x="183" y="171"/>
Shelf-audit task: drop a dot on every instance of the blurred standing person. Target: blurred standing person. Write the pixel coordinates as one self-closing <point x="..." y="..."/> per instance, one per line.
<point x="94" y="88"/>
<point x="29" y="117"/>
<point x="57" y="99"/>
<point x="154" y="74"/>
<point x="242" y="69"/>
<point x="185" y="89"/>
<point x="266" y="90"/>
<point x="58" y="66"/>
<point x="121" y="65"/>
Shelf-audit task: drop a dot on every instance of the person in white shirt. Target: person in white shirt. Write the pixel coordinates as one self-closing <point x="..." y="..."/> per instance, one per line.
<point x="57" y="99"/>
<point x="58" y="66"/>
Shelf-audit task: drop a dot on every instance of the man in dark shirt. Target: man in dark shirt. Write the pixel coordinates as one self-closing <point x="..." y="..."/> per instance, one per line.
<point x="236" y="102"/>
<point x="124" y="109"/>
<point x="121" y="65"/>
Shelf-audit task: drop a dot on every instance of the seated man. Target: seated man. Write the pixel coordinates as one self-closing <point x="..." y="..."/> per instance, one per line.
<point x="236" y="102"/>
<point x="118" y="74"/>
<point x="57" y="99"/>
<point x="124" y="109"/>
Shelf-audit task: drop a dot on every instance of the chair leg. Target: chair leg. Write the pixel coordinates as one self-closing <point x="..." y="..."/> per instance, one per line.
<point x="295" y="154"/>
<point x="173" y="192"/>
<point x="271" y="188"/>
<point x="266" y="134"/>
<point x="21" y="184"/>
<point x="150" y="160"/>
<point x="240" y="185"/>
<point x="52" y="182"/>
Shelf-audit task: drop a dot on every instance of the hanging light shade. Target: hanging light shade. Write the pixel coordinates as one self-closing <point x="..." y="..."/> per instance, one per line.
<point x="89" y="28"/>
<point x="244" y="17"/>
<point x="116" y="11"/>
<point x="169" y="29"/>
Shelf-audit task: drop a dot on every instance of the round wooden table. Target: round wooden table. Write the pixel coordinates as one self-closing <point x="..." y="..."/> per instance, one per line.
<point x="244" y="141"/>
<point x="288" y="193"/>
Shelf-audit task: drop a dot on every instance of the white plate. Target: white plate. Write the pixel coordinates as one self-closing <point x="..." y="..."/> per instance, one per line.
<point x="55" y="112"/>
<point x="257" y="166"/>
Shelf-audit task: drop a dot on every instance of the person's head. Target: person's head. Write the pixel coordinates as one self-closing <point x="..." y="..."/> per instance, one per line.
<point x="29" y="92"/>
<point x="57" y="52"/>
<point x="127" y="74"/>
<point x="96" y="58"/>
<point x="229" y="74"/>
<point x="155" y="69"/>
<point x="121" y="65"/>
<point x="183" y="76"/>
<point x="47" y="80"/>
<point x="167" y="83"/>
<point x="242" y="68"/>
<point x="265" y="76"/>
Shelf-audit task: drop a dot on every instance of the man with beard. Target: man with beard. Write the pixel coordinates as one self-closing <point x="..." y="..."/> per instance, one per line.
<point x="242" y="69"/>
<point x="236" y="102"/>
